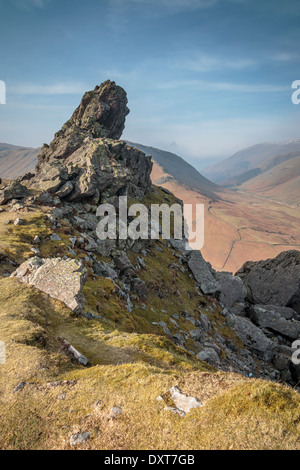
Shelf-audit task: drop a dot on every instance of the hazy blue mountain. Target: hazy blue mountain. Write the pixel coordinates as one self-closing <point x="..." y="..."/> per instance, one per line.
<point x="16" y="161"/>
<point x="251" y="158"/>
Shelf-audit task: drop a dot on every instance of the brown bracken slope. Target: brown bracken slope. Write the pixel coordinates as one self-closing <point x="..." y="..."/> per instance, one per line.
<point x="239" y="226"/>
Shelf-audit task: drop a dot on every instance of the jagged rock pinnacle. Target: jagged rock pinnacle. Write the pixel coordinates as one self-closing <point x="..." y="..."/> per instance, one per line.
<point x="86" y="161"/>
<point x="103" y="111"/>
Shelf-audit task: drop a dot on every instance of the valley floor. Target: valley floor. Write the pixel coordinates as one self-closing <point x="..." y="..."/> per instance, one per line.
<point x="240" y="227"/>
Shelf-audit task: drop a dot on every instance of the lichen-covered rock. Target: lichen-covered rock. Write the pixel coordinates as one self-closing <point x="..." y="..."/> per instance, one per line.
<point x="184" y="402"/>
<point x="12" y="190"/>
<point x="62" y="279"/>
<point x="274" y="281"/>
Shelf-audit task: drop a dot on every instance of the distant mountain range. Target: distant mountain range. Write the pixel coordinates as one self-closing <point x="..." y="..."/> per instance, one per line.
<point x="280" y="182"/>
<point x="249" y="162"/>
<point x="16" y="161"/>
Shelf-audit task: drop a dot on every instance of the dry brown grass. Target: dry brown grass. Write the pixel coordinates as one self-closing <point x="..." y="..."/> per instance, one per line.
<point x="131" y="363"/>
<point x="130" y="370"/>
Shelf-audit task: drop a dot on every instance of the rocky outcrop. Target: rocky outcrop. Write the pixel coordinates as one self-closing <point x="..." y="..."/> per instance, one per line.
<point x="253" y="338"/>
<point x="228" y="289"/>
<point x="85" y="162"/>
<point x="232" y="289"/>
<point x="97" y="171"/>
<point x="266" y="332"/>
<point x="101" y="113"/>
<point x="274" y="281"/>
<point x="12" y="190"/>
<point x="275" y="319"/>
<point x="267" y="321"/>
<point x="86" y="165"/>
<point x="62" y="279"/>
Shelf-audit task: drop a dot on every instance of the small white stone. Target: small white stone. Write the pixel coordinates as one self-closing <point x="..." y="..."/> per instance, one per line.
<point x="18" y="221"/>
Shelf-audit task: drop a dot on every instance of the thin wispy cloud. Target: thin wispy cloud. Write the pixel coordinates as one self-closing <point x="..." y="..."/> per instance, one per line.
<point x="56" y="89"/>
<point x="120" y="12"/>
<point x="172" y="4"/>
<point x="208" y="63"/>
<point x="223" y="86"/>
<point x="30" y="4"/>
<point x="285" y="57"/>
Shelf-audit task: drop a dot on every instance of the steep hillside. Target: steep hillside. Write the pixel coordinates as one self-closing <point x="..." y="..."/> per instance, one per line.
<point x="281" y="182"/>
<point x="182" y="172"/>
<point x="239" y="226"/>
<point x="132" y="344"/>
<point x="16" y="161"/>
<point x="251" y="158"/>
<point x="274" y="161"/>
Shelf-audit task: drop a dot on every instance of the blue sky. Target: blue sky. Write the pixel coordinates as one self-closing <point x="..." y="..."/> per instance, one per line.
<point x="204" y="78"/>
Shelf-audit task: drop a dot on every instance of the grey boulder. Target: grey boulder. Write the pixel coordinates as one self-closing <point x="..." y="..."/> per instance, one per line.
<point x="12" y="190"/>
<point x="272" y="318"/>
<point x="202" y="273"/>
<point x="253" y="338"/>
<point x="232" y="289"/>
<point x="274" y="281"/>
<point x="62" y="279"/>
